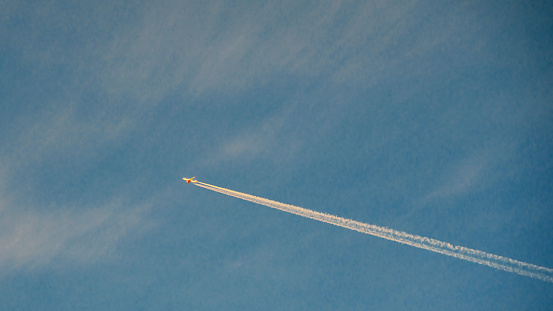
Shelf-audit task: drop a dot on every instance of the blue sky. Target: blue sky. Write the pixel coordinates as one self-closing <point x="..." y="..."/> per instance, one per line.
<point x="429" y="118"/>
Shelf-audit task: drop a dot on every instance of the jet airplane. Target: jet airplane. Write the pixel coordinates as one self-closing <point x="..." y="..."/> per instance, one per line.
<point x="190" y="180"/>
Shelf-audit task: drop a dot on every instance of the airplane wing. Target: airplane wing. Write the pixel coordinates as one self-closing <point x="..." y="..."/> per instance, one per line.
<point x="189" y="180"/>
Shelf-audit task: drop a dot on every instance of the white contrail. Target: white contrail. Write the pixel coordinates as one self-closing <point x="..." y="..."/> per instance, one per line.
<point x="479" y="257"/>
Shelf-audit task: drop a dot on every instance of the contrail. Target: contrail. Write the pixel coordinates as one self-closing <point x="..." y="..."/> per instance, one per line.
<point x="479" y="257"/>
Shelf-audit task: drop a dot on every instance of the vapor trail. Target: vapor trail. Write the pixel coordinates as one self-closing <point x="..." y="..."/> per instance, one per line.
<point x="479" y="257"/>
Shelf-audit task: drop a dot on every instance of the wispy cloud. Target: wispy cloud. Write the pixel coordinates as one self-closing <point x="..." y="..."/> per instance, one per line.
<point x="464" y="177"/>
<point x="200" y="47"/>
<point x="34" y="238"/>
<point x="265" y="139"/>
<point x="61" y="133"/>
<point x="36" y="234"/>
<point x="478" y="170"/>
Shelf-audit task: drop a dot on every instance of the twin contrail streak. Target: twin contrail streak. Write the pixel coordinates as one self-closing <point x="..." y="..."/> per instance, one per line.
<point x="479" y="257"/>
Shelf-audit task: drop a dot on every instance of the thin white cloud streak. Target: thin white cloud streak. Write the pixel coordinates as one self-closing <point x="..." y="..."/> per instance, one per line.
<point x="34" y="234"/>
<point x="460" y="252"/>
<point x="212" y="47"/>
<point x="465" y="176"/>
<point x="62" y="133"/>
<point x="31" y="238"/>
<point x="258" y="141"/>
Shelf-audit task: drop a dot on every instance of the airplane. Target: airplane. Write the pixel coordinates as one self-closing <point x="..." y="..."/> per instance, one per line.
<point x="189" y="180"/>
